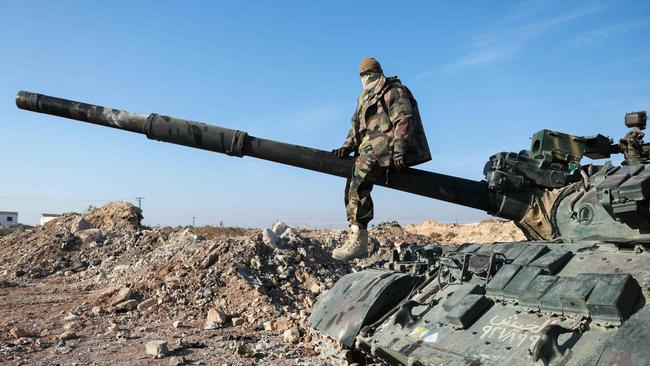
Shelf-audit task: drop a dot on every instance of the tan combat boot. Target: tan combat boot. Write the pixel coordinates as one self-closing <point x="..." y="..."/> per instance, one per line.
<point x="356" y="245"/>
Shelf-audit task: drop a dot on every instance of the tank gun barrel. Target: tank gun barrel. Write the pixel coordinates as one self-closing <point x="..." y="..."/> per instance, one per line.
<point x="238" y="143"/>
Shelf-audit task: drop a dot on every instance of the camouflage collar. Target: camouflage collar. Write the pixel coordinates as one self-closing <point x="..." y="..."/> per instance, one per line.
<point x="376" y="91"/>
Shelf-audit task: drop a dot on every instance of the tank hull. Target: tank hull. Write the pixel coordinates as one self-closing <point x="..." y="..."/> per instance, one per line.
<point x="577" y="303"/>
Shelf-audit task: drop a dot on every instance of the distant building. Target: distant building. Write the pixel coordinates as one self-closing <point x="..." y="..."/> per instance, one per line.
<point x="48" y="217"/>
<point x="8" y="218"/>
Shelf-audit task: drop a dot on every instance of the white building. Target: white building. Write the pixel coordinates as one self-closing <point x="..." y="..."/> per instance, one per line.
<point x="8" y="218"/>
<point x="46" y="217"/>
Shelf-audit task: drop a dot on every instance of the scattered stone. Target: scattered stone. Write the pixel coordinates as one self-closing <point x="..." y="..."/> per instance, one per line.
<point x="237" y="322"/>
<point x="17" y="332"/>
<point x="247" y="275"/>
<point x="63" y="347"/>
<point x="291" y="335"/>
<point x="68" y="334"/>
<point x="270" y="239"/>
<point x="315" y="289"/>
<point x="90" y="235"/>
<point x="80" y="224"/>
<point x="71" y="317"/>
<point x="282" y="324"/>
<point x="251" y="319"/>
<point x="262" y="346"/>
<point x="69" y="326"/>
<point x="289" y="235"/>
<point x="122" y="295"/>
<point x="147" y="304"/>
<point x="127" y="305"/>
<point x="98" y="310"/>
<point x="157" y="283"/>
<point x="279" y="228"/>
<point x="158" y="349"/>
<point x="215" y="319"/>
<point x="44" y="333"/>
<point x="178" y="324"/>
<point x="112" y="328"/>
<point x="209" y="260"/>
<point x="268" y="326"/>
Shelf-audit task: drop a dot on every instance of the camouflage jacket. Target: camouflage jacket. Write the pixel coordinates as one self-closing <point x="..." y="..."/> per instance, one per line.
<point x="387" y="122"/>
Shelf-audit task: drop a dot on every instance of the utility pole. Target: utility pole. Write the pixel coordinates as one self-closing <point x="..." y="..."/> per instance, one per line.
<point x="139" y="199"/>
<point x="193" y="221"/>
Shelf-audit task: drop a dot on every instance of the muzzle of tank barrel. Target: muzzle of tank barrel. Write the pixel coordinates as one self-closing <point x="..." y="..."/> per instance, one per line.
<point x="359" y="299"/>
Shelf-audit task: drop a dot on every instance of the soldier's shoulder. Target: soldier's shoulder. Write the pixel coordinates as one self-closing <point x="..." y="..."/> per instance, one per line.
<point x="395" y="88"/>
<point x="393" y="82"/>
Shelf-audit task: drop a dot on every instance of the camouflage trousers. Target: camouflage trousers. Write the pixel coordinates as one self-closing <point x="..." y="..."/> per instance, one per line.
<point x="358" y="203"/>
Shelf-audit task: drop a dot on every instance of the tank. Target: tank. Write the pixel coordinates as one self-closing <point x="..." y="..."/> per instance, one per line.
<point x="574" y="293"/>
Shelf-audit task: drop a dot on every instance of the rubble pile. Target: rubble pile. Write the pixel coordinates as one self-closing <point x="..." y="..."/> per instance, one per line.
<point x="115" y="218"/>
<point x="241" y="281"/>
<point x="251" y="288"/>
<point x="71" y="242"/>
<point x="486" y="231"/>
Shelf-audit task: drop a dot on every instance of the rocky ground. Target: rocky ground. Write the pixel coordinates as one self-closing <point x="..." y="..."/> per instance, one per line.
<point x="99" y="288"/>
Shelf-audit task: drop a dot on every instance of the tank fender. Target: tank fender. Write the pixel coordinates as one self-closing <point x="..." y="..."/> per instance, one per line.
<point x="359" y="299"/>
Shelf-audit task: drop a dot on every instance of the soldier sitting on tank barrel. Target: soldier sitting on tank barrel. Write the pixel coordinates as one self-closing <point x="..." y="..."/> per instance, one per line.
<point x="386" y="136"/>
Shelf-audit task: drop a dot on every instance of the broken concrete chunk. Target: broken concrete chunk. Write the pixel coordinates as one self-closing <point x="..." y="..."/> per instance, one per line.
<point x="97" y="310"/>
<point x="158" y="349"/>
<point x="122" y="295"/>
<point x="291" y="335"/>
<point x="127" y="305"/>
<point x="63" y="348"/>
<point x="90" y="235"/>
<point x="279" y="228"/>
<point x="80" y="224"/>
<point x="112" y="328"/>
<point x="68" y="334"/>
<point x="215" y="319"/>
<point x="270" y="239"/>
<point x="71" y="317"/>
<point x="268" y="326"/>
<point x="147" y="304"/>
<point x="209" y="260"/>
<point x="314" y="288"/>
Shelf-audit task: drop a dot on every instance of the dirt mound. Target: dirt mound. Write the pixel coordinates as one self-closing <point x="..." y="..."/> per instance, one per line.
<point x="115" y="217"/>
<point x="487" y="231"/>
<point x="70" y="242"/>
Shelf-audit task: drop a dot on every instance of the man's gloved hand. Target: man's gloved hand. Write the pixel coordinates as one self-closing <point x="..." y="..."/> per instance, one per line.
<point x="342" y="152"/>
<point x="398" y="162"/>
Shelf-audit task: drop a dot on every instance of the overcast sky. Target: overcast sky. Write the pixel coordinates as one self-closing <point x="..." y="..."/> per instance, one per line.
<point x="487" y="75"/>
